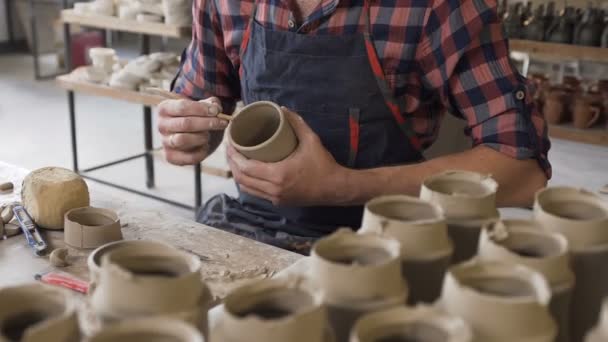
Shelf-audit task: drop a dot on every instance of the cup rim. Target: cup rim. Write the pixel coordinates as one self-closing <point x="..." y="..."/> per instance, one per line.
<point x="265" y="142"/>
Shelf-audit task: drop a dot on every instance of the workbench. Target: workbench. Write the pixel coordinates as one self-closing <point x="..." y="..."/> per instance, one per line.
<point x="228" y="260"/>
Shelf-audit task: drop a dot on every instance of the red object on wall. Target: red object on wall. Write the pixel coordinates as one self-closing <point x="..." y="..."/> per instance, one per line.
<point x="81" y="43"/>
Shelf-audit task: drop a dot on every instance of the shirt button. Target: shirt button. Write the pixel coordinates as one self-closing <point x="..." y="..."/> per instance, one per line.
<point x="291" y="24"/>
<point x="520" y="95"/>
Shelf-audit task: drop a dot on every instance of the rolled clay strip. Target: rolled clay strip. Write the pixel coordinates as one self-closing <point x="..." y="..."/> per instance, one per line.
<point x="90" y="227"/>
<point x="58" y="257"/>
<point x="6" y="213"/>
<point x="6" y="187"/>
<point x="273" y="310"/>
<point x="148" y="329"/>
<point x="524" y="242"/>
<point x="11" y="229"/>
<point x="500" y="301"/>
<point x="420" y="228"/>
<point x="37" y="312"/>
<point x="357" y="274"/>
<point x="420" y="323"/>
<point x="600" y="332"/>
<point x="468" y="200"/>
<point x="144" y="281"/>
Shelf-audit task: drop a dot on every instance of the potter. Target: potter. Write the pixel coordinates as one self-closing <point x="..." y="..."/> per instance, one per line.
<point x="364" y="86"/>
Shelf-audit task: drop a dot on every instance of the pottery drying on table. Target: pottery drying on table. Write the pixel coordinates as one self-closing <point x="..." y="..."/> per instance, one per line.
<point x="524" y="242"/>
<point x="357" y="274"/>
<point x="148" y="329"/>
<point x="261" y="131"/>
<point x="48" y="193"/>
<point x="582" y="217"/>
<point x="147" y="280"/>
<point x="103" y="58"/>
<point x="273" y="310"/>
<point x="600" y="332"/>
<point x="420" y="324"/>
<point x="90" y="227"/>
<point x="37" y="312"/>
<point x="420" y="228"/>
<point x="500" y="301"/>
<point x="468" y="200"/>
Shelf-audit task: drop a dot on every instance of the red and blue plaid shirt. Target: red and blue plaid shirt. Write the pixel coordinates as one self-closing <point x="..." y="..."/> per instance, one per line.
<point x="435" y="54"/>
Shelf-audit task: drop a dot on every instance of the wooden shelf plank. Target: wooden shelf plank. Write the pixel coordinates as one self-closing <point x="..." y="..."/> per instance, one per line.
<point x="595" y="136"/>
<point x="554" y="50"/>
<point x="118" y="24"/>
<point x="75" y="82"/>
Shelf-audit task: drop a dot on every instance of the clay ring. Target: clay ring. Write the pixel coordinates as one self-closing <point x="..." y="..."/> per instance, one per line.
<point x="90" y="227"/>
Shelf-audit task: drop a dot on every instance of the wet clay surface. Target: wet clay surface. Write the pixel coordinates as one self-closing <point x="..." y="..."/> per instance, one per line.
<point x="501" y="287"/>
<point x="363" y="257"/>
<point x="413" y="332"/>
<point x="14" y="327"/>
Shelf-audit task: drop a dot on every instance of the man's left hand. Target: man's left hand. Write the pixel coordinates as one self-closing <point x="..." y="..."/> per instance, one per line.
<point x="307" y="177"/>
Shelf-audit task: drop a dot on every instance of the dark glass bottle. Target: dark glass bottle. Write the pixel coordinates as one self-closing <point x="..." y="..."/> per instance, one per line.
<point x="562" y="29"/>
<point x="589" y="31"/>
<point x="513" y="22"/>
<point x="534" y="27"/>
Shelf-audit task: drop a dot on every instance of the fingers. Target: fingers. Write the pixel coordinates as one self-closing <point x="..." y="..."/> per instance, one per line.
<point x="254" y="186"/>
<point x="184" y="107"/>
<point x="185" y="141"/>
<point x="257" y="193"/>
<point x="252" y="168"/>
<point x="190" y="124"/>
<point x="300" y="127"/>
<point x="177" y="157"/>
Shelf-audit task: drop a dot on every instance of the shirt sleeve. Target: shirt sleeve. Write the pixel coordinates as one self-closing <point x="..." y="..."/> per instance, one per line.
<point x="205" y="68"/>
<point x="465" y="58"/>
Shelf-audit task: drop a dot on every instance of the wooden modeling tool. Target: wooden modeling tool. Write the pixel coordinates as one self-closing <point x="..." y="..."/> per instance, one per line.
<point x="173" y="96"/>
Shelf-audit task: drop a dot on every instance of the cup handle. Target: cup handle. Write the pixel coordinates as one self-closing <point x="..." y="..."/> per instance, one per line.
<point x="596" y="115"/>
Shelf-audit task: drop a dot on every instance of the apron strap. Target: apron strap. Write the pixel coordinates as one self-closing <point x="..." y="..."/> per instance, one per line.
<point x="246" y="36"/>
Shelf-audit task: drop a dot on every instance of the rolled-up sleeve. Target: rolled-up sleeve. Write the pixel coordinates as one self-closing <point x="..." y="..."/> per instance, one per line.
<point x="465" y="57"/>
<point x="205" y="68"/>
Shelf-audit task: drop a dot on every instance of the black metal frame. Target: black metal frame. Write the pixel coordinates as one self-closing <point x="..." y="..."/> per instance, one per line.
<point x="148" y="140"/>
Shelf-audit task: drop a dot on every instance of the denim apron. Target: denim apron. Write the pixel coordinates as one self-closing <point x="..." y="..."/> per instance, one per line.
<point x="336" y="84"/>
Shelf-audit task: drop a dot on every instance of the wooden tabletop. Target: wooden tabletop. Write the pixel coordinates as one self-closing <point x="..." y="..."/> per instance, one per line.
<point x="228" y="260"/>
<point x="560" y="51"/>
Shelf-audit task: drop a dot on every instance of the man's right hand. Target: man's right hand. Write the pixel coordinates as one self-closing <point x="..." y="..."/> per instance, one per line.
<point x="186" y="128"/>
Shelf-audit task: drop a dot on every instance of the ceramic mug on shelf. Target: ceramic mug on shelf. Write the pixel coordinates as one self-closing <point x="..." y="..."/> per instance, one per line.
<point x="261" y="131"/>
<point x="586" y="111"/>
<point x="555" y="105"/>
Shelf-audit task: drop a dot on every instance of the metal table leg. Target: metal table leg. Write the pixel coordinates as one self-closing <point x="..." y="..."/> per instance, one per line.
<point x="198" y="188"/>
<point x="9" y="22"/>
<point x="148" y="145"/>
<point x="34" y="47"/>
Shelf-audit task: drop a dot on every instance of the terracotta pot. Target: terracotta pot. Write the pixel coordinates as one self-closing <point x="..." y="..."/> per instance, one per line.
<point x="145" y="281"/>
<point x="524" y="242"/>
<point x="148" y="329"/>
<point x="420" y="323"/>
<point x="586" y="111"/>
<point x="555" y="108"/>
<point x="273" y="310"/>
<point x="468" y="200"/>
<point x="261" y="131"/>
<point x="500" y="301"/>
<point x="421" y="229"/>
<point x="36" y="312"/>
<point x="582" y="217"/>
<point x="600" y="332"/>
<point x="357" y="274"/>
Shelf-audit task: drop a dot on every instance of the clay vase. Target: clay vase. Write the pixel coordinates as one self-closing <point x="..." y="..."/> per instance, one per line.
<point x="144" y="281"/>
<point x="600" y="332"/>
<point x="468" y="200"/>
<point x="420" y="228"/>
<point x="420" y="323"/>
<point x="500" y="301"/>
<point x="148" y="329"/>
<point x="562" y="29"/>
<point x="356" y="274"/>
<point x="36" y="312"/>
<point x="273" y="310"/>
<point x="589" y="31"/>
<point x="261" y="131"/>
<point x="582" y="217"/>
<point x="524" y="242"/>
<point x="555" y="106"/>
<point x="586" y="111"/>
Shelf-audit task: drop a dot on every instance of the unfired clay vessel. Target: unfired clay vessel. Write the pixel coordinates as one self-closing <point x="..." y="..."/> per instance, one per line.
<point x="600" y="332"/>
<point x="90" y="227"/>
<point x="37" y="312"/>
<point x="501" y="302"/>
<point x="420" y="228"/>
<point x="582" y="217"/>
<point x="357" y="274"/>
<point x="273" y="310"/>
<point x="143" y="281"/>
<point x="420" y="324"/>
<point x="48" y="193"/>
<point x="586" y="111"/>
<point x="468" y="200"/>
<point x="148" y="330"/>
<point x="524" y="242"/>
<point x="261" y="131"/>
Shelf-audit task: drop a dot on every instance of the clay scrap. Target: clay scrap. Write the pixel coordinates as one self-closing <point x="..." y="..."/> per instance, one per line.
<point x="58" y="257"/>
<point x="90" y="227"/>
<point x="148" y="329"/>
<point x="48" y="193"/>
<point x="37" y="312"/>
<point x="6" y="188"/>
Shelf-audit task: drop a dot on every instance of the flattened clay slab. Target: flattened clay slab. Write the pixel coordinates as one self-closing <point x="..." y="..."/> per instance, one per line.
<point x="90" y="227"/>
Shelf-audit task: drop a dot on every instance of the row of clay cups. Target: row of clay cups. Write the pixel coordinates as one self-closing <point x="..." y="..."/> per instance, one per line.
<point x="142" y="278"/>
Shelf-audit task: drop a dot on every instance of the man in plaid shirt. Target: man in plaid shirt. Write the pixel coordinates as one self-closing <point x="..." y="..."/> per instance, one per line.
<point x="365" y="84"/>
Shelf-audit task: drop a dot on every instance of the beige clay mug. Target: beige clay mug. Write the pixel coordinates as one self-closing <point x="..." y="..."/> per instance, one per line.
<point x="261" y="131"/>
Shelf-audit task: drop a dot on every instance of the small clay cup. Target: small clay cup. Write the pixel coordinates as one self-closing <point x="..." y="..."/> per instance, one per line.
<point x="555" y="105"/>
<point x="587" y="110"/>
<point x="261" y="131"/>
<point x="148" y="329"/>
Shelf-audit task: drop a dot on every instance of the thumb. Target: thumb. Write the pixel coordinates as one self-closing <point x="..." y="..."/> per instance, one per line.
<point x="300" y="127"/>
